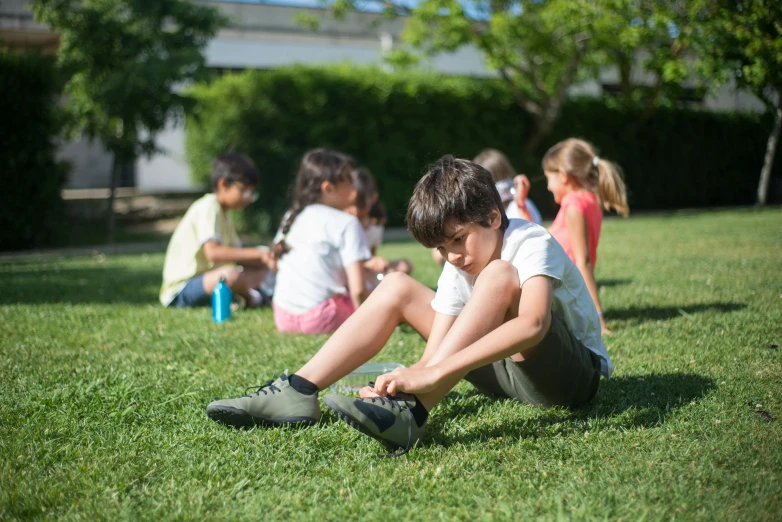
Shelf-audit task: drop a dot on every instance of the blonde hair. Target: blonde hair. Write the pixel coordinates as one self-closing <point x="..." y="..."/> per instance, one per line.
<point x="496" y="163"/>
<point x="580" y="161"/>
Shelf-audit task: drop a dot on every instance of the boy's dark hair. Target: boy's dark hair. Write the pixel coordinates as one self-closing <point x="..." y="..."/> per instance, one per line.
<point x="234" y="168"/>
<point x="365" y="187"/>
<point x="452" y="189"/>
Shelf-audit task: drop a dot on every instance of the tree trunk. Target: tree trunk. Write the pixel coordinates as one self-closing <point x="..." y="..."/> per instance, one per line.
<point x="771" y="149"/>
<point x="542" y="128"/>
<point x="110" y="218"/>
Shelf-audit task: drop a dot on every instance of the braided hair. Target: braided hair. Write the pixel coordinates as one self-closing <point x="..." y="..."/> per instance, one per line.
<point x="317" y="166"/>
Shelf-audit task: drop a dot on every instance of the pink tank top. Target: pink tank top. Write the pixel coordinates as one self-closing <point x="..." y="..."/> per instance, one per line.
<point x="585" y="203"/>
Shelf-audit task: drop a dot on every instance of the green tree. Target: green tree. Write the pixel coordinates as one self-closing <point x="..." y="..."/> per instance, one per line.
<point x="125" y="60"/>
<point x="653" y="46"/>
<point x="746" y="40"/>
<point x="541" y="48"/>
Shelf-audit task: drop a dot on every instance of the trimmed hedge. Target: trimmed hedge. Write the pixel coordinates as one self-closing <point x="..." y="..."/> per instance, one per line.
<point x="30" y="202"/>
<point x="396" y="123"/>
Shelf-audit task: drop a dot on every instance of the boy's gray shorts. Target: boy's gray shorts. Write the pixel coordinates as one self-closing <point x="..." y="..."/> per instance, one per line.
<point x="560" y="371"/>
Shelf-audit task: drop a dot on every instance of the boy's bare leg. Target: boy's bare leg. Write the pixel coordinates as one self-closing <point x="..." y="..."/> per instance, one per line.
<point x="239" y="281"/>
<point x="398" y="298"/>
<point x="494" y="301"/>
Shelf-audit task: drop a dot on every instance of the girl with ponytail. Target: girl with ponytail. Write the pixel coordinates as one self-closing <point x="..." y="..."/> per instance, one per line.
<point x="320" y="249"/>
<point x="583" y="184"/>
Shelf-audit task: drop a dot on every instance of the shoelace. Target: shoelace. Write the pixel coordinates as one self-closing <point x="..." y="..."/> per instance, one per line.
<point x="394" y="402"/>
<point x="260" y="389"/>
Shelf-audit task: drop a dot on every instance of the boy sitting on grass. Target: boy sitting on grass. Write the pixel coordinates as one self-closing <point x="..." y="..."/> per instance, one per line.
<point x="205" y="247"/>
<point x="511" y="315"/>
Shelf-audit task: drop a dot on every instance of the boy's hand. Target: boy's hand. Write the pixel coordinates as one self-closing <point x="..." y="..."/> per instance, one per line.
<point x="268" y="259"/>
<point x="408" y="380"/>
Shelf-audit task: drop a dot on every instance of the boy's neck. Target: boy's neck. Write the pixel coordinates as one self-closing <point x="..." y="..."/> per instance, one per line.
<point x="497" y="254"/>
<point x="220" y="201"/>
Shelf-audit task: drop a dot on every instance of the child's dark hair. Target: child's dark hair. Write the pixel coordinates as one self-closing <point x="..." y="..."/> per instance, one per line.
<point x="317" y="166"/>
<point x="365" y="187"/>
<point x="234" y="168"/>
<point x="378" y="212"/>
<point x="452" y="189"/>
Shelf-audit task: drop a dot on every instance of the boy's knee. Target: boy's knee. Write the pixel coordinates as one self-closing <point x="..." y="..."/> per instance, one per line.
<point x="231" y="275"/>
<point x="394" y="284"/>
<point x="499" y="273"/>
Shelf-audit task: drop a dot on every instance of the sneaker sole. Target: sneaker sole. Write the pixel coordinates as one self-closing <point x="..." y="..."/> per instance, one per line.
<point x="354" y="423"/>
<point x="241" y="419"/>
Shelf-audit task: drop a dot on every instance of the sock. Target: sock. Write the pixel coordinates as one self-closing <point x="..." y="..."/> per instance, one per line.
<point x="419" y="412"/>
<point x="302" y="385"/>
<point x="255" y="297"/>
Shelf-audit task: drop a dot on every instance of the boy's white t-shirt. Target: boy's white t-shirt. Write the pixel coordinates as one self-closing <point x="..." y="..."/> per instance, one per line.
<point x="513" y="211"/>
<point x="533" y="251"/>
<point x="323" y="242"/>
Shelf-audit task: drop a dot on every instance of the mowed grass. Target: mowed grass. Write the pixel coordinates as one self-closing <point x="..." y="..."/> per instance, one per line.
<point x="103" y="395"/>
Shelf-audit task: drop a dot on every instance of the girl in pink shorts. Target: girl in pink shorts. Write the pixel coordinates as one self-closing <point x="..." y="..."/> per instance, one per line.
<point x="320" y="249"/>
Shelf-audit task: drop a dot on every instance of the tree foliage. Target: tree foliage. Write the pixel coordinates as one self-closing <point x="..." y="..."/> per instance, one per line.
<point x="541" y="48"/>
<point x="124" y="60"/>
<point x="745" y="39"/>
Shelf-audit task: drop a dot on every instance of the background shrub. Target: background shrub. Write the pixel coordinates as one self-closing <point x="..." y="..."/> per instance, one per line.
<point x="30" y="200"/>
<point x="397" y="123"/>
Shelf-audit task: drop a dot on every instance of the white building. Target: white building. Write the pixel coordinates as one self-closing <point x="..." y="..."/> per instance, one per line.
<point x="263" y="36"/>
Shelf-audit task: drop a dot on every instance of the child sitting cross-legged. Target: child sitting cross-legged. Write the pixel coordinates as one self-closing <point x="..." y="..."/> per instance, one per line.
<point x="511" y="315"/>
<point x="321" y="249"/>
<point x="205" y="247"/>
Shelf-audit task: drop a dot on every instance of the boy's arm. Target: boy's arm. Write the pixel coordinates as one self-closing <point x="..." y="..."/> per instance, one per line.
<point x="515" y="336"/>
<point x="440" y="326"/>
<point x="218" y="254"/>
<point x="356" y="284"/>
<point x="579" y="241"/>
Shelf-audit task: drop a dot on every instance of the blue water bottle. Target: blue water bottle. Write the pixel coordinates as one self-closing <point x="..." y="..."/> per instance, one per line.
<point x="221" y="302"/>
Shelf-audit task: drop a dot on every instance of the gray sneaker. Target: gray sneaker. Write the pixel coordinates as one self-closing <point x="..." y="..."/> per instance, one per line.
<point x="272" y="404"/>
<point x="386" y="419"/>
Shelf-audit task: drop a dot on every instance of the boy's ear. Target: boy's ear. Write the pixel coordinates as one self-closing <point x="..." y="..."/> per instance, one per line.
<point x="496" y="219"/>
<point x="221" y="185"/>
<point x="326" y="187"/>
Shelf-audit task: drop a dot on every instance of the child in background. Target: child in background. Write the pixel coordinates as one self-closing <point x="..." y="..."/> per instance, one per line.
<point x="320" y="249"/>
<point x="505" y="178"/>
<point x="511" y="315"/>
<point x="371" y="213"/>
<point x="205" y="247"/>
<point x="582" y="183"/>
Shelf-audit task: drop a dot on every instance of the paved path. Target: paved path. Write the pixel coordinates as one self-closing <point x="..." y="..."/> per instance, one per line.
<point x="391" y="234"/>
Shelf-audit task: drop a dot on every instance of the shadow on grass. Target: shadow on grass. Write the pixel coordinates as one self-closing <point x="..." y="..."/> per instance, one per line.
<point x="655" y="313"/>
<point x="622" y="403"/>
<point x="82" y="286"/>
<point x="609" y="283"/>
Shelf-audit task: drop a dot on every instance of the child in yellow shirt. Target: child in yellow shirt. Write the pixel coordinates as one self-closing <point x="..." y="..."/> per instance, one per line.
<point x="205" y="247"/>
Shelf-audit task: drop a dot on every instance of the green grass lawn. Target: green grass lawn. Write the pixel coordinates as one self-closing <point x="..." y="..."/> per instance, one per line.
<point x="103" y="395"/>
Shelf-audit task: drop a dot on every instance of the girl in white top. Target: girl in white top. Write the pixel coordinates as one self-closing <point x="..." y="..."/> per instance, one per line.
<point x="320" y="249"/>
